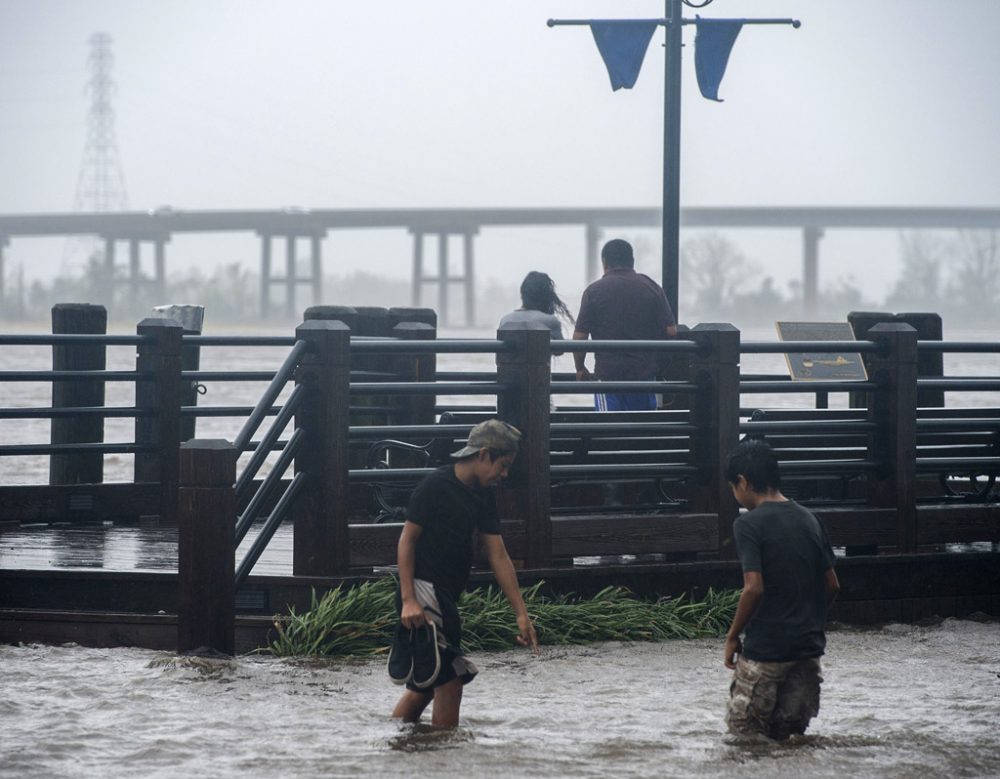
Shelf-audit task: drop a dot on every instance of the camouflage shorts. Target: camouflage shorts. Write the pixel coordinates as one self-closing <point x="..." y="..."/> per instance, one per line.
<point x="773" y="699"/>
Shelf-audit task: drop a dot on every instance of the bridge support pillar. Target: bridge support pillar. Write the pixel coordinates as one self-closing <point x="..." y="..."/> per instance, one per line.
<point x="444" y="277"/>
<point x="592" y="260"/>
<point x="810" y="269"/>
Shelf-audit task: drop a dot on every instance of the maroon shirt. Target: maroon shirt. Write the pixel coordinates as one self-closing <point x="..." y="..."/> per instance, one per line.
<point x="624" y="306"/>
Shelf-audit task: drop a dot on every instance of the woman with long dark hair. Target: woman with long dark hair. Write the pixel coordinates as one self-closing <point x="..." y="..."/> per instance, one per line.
<point x="540" y="303"/>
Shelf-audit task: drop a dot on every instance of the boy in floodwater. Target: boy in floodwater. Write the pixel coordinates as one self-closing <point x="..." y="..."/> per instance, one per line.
<point x="788" y="586"/>
<point x="435" y="556"/>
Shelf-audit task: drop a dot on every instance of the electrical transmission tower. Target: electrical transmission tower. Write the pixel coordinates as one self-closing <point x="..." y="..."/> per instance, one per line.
<point x="101" y="185"/>
<point x="101" y="182"/>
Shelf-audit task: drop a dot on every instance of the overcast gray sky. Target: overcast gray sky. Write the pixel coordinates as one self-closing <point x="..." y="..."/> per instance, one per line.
<point x="386" y="103"/>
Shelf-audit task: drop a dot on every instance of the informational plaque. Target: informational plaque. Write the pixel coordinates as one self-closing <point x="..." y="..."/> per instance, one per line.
<point x="822" y="366"/>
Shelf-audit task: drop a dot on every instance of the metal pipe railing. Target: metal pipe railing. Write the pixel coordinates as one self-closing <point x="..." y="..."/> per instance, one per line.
<point x="603" y="387"/>
<point x="49" y="412"/>
<point x="15" y="450"/>
<point x="273" y="479"/>
<point x="281" y="378"/>
<point x="781" y="387"/>
<point x="427" y="388"/>
<point x="796" y="347"/>
<point x="274" y="519"/>
<point x="266" y="444"/>
<point x="47" y="376"/>
<point x="64" y="339"/>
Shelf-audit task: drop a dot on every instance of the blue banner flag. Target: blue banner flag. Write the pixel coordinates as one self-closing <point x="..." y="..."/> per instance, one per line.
<point x="712" y="45"/>
<point x="623" y="46"/>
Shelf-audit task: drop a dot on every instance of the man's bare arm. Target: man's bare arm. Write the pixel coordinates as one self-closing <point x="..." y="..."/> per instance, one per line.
<point x="579" y="358"/>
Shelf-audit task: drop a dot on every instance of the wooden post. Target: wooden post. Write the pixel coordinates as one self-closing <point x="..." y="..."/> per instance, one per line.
<point x="861" y="322"/>
<point x="191" y="319"/>
<point x="422" y="366"/>
<point x="160" y="396"/>
<point x="206" y="519"/>
<point x="716" y="413"/>
<point x="526" y="495"/>
<point x="893" y="407"/>
<point x="676" y="366"/>
<point x="79" y="467"/>
<point x="929" y="364"/>
<point x="320" y="546"/>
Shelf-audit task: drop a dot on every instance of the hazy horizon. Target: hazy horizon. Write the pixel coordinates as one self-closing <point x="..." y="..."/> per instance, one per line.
<point x="229" y="105"/>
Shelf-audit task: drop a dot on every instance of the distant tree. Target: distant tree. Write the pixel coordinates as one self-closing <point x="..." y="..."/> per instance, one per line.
<point x="766" y="304"/>
<point x="841" y="297"/>
<point x="712" y="270"/>
<point x="974" y="288"/>
<point x="919" y="284"/>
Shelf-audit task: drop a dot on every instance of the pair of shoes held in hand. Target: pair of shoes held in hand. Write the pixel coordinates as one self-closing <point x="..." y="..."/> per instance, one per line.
<point x="414" y="656"/>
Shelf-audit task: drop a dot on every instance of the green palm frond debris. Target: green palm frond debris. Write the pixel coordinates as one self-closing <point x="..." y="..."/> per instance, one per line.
<point x="359" y="620"/>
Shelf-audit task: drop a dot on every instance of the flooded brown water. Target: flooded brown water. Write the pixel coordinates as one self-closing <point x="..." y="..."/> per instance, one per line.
<point x="901" y="701"/>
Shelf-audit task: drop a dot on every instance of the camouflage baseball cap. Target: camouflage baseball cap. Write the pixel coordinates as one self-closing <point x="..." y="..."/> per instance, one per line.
<point x="491" y="434"/>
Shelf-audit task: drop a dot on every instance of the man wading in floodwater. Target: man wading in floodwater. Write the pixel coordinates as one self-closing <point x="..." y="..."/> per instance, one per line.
<point x="788" y="585"/>
<point x="435" y="557"/>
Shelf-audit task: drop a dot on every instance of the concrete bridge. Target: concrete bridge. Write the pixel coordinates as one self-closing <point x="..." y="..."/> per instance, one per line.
<point x="295" y="226"/>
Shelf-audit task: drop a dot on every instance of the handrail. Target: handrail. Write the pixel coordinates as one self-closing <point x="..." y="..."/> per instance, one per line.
<point x="271" y="524"/>
<point x="435" y="346"/>
<point x="270" y="394"/>
<point x="266" y="444"/>
<point x="807" y="426"/>
<point x="228" y="375"/>
<point x="45" y="376"/>
<point x="601" y="387"/>
<point x="245" y="520"/>
<point x="238" y="340"/>
<point x="49" y="412"/>
<point x="780" y="387"/>
<point x="794" y="347"/>
<point x="427" y="388"/>
<point x="956" y="347"/>
<point x="575" y="345"/>
<point x="56" y="339"/>
<point x="12" y="450"/>
<point x="961" y="383"/>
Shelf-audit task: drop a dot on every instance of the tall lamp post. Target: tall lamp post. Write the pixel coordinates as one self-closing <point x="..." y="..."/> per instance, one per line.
<point x="623" y="55"/>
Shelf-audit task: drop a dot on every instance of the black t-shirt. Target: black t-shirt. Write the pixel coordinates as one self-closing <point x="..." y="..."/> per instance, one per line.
<point x="788" y="545"/>
<point x="625" y="306"/>
<point x="449" y="512"/>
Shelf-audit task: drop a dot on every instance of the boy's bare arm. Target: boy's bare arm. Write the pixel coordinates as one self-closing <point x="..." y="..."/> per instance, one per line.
<point x="503" y="570"/>
<point x="753" y="591"/>
<point x="412" y="613"/>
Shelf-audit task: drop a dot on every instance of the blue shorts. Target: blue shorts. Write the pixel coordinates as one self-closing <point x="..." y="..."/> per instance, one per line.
<point x="625" y="401"/>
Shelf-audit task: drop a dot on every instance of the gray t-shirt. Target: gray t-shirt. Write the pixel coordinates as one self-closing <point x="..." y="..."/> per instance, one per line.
<point x="551" y="321"/>
<point x="788" y="545"/>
